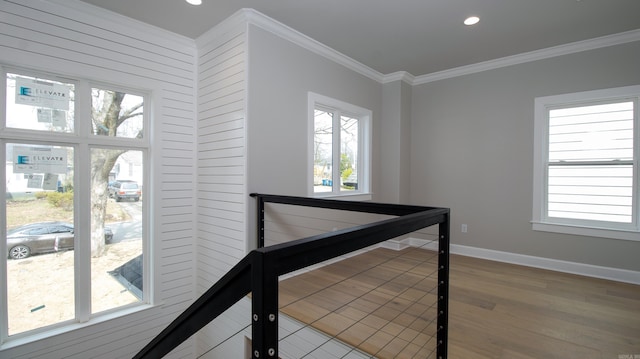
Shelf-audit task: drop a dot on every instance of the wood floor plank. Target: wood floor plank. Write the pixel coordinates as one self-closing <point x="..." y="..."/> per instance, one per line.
<point x="383" y="301"/>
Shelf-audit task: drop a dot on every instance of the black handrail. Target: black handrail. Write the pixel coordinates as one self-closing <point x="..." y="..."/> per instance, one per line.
<point x="232" y="287"/>
<point x="258" y="272"/>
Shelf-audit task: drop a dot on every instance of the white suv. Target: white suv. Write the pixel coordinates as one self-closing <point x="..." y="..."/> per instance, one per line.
<point x="122" y="189"/>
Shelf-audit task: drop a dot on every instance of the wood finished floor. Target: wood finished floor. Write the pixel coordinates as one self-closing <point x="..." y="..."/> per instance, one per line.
<point x="383" y="302"/>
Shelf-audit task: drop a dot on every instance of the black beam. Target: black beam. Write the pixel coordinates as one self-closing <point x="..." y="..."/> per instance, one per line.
<point x="232" y="287"/>
<point x="304" y="252"/>
<point x="259" y="271"/>
<point x="367" y="207"/>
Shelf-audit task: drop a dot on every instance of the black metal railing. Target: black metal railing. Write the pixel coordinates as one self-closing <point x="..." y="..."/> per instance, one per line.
<point x="258" y="272"/>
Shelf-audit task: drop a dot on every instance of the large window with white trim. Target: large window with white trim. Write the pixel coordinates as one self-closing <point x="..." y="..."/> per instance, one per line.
<point x="339" y="147"/>
<point x="586" y="163"/>
<point x="73" y="205"/>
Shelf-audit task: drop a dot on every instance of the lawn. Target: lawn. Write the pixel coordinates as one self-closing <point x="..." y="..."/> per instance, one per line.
<point x="32" y="305"/>
<point x="39" y="210"/>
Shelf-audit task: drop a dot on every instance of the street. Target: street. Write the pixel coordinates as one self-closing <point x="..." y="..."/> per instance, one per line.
<point x="132" y="229"/>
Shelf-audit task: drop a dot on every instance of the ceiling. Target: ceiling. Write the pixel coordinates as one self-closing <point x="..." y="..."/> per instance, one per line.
<point x="417" y="36"/>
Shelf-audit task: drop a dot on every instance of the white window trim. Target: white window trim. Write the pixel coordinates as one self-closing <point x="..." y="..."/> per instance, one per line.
<point x="364" y="147"/>
<point x="541" y="124"/>
<point x="81" y="140"/>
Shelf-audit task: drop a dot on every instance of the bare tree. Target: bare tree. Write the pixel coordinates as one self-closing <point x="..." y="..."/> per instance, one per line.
<point x="108" y="114"/>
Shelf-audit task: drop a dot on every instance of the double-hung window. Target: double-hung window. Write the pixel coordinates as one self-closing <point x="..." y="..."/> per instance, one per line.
<point x="586" y="163"/>
<point x="340" y="145"/>
<point x="74" y="240"/>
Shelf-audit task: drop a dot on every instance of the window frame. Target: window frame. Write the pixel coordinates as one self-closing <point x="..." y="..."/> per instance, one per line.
<point x="364" y="117"/>
<point x="540" y="220"/>
<point x="82" y="140"/>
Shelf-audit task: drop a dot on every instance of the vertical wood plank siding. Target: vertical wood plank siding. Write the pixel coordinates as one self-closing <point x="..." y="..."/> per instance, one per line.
<point x="75" y="41"/>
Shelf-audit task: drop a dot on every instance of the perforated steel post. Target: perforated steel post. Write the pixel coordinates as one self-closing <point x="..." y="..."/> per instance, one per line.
<point x="260" y="219"/>
<point x="442" y="336"/>
<point x="264" y="307"/>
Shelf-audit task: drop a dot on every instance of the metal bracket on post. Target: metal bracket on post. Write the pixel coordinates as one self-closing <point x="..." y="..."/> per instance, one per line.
<point x="442" y="336"/>
<point x="264" y="304"/>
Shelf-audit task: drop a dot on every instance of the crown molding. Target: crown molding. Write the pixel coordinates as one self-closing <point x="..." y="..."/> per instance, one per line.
<point x="399" y="76"/>
<point x="566" y="49"/>
<point x="79" y="9"/>
<point x="266" y="23"/>
<point x="237" y="20"/>
<point x="285" y="32"/>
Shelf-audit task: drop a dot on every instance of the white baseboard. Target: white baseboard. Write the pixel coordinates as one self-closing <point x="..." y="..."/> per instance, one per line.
<point x="396" y="244"/>
<point x="589" y="270"/>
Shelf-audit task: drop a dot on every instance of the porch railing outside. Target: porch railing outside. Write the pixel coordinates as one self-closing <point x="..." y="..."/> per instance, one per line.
<point x="258" y="272"/>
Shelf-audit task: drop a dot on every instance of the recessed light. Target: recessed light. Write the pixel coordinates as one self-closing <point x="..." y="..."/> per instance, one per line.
<point x="194" y="2"/>
<point x="471" y="20"/>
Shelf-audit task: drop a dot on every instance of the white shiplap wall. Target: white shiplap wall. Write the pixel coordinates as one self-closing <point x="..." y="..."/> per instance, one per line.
<point x="222" y="194"/>
<point x="221" y="155"/>
<point x="73" y="39"/>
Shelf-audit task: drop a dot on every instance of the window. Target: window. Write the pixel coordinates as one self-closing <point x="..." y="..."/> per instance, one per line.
<point x="340" y="144"/>
<point x="72" y="251"/>
<point x="586" y="163"/>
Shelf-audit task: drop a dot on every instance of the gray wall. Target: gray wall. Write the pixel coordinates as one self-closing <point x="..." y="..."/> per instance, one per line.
<point x="280" y="76"/>
<point x="395" y="140"/>
<point x="472" y="151"/>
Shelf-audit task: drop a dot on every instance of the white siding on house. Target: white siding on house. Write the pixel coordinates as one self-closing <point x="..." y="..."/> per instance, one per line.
<point x="77" y="40"/>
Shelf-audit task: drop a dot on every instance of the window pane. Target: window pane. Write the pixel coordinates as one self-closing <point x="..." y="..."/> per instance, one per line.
<point x="348" y="153"/>
<point x="323" y="153"/>
<point x="39" y="104"/>
<point x="600" y="193"/>
<point x="117" y="114"/>
<point x="116" y="227"/>
<point x="40" y="240"/>
<point x="591" y="133"/>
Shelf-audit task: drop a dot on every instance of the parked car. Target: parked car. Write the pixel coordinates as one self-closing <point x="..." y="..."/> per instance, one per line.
<point x="111" y="187"/>
<point x="43" y="237"/>
<point x="351" y="181"/>
<point x="123" y="189"/>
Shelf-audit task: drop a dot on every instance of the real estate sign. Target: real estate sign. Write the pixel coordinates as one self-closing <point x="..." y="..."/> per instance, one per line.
<point x="39" y="160"/>
<point x="42" y="94"/>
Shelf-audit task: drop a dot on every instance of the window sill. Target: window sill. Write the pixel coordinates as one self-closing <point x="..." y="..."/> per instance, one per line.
<point x="629" y="235"/>
<point x="26" y="338"/>
<point x="345" y="197"/>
